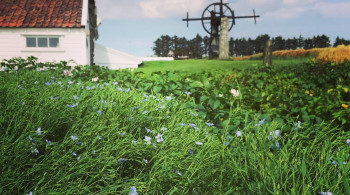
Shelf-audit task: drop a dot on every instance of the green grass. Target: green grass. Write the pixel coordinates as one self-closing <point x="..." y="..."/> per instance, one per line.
<point x="110" y="123"/>
<point x="197" y="66"/>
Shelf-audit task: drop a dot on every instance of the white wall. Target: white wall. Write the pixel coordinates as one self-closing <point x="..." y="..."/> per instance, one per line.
<point x="145" y="59"/>
<point x="114" y="59"/>
<point x="72" y="44"/>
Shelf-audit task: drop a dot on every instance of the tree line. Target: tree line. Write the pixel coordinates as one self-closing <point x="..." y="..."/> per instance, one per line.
<point x="180" y="47"/>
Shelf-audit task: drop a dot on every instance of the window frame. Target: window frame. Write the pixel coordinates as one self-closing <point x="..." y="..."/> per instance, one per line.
<point x="48" y="41"/>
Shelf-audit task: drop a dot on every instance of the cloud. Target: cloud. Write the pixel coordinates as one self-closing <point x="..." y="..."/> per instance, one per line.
<point x="161" y="9"/>
<point x="298" y="2"/>
<point x="291" y="9"/>
<point x="286" y="13"/>
<point x="170" y="8"/>
<point x="334" y="10"/>
<point x="120" y="9"/>
<point x="268" y="9"/>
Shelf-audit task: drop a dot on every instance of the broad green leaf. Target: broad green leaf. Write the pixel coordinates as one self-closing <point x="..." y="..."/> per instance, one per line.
<point x="157" y="88"/>
<point x="197" y="84"/>
<point x="214" y="104"/>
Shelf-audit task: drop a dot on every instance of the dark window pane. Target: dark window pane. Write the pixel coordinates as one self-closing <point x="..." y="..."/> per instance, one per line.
<point x="42" y="42"/>
<point x="31" y="42"/>
<point x="54" y="42"/>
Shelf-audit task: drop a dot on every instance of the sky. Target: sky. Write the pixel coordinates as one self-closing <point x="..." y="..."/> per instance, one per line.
<point x="132" y="26"/>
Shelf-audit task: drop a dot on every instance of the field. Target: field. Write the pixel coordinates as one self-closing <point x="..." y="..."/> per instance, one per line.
<point x="197" y="66"/>
<point x="182" y="127"/>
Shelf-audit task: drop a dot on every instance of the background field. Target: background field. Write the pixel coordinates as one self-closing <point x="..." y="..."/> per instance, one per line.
<point x="197" y="66"/>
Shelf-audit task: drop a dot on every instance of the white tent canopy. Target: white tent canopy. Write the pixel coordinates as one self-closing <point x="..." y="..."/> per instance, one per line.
<point x="114" y="59"/>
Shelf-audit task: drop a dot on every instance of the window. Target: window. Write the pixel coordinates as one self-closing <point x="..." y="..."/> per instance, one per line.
<point x="52" y="42"/>
<point x="31" y="42"/>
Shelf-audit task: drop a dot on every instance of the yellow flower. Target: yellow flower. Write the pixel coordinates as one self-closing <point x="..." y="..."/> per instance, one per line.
<point x="311" y="95"/>
<point x="330" y="90"/>
<point x="346" y="90"/>
<point x="345" y="106"/>
<point x="307" y="92"/>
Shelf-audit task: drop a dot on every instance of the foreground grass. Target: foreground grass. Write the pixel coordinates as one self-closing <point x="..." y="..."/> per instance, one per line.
<point x="94" y="138"/>
<point x="197" y="66"/>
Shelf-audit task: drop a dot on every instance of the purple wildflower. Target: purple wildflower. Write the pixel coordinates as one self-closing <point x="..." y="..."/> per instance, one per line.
<point x="335" y="163"/>
<point x="192" y="125"/>
<point x="148" y="130"/>
<point x="48" y="142"/>
<point x="148" y="140"/>
<point x="36" y="151"/>
<point x="145" y="161"/>
<point x="277" y="133"/>
<point x="73" y="105"/>
<point x="133" y="191"/>
<point x="260" y="123"/>
<point x="193" y="114"/>
<point x="178" y="172"/>
<point x="39" y="131"/>
<point x="159" y="138"/>
<point x="325" y="193"/>
<point x="182" y="124"/>
<point x="122" y="160"/>
<point x="209" y="124"/>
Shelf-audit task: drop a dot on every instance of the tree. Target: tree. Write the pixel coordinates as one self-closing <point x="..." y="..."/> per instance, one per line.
<point x="157" y="47"/>
<point x="250" y="47"/>
<point x="206" y="43"/>
<point x="260" y="43"/>
<point x="278" y="43"/>
<point x="292" y="43"/>
<point x="231" y="46"/>
<point x="308" y="43"/>
<point x="197" y="47"/>
<point x="183" y="46"/>
<point x="340" y="41"/>
<point x="175" y="46"/>
<point x="162" y="46"/>
<point x="166" y="45"/>
<point x="301" y="43"/>
<point x="321" y="41"/>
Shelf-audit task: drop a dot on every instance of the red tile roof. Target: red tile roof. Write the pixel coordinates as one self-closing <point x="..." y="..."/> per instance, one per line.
<point x="41" y="13"/>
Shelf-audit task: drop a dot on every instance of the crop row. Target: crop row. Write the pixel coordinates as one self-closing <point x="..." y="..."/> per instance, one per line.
<point x="337" y="55"/>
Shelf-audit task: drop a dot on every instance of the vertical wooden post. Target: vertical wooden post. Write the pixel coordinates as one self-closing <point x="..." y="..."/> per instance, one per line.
<point x="224" y="47"/>
<point x="267" y="56"/>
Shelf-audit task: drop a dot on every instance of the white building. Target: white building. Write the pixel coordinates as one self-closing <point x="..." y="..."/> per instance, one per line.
<point x="55" y="30"/>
